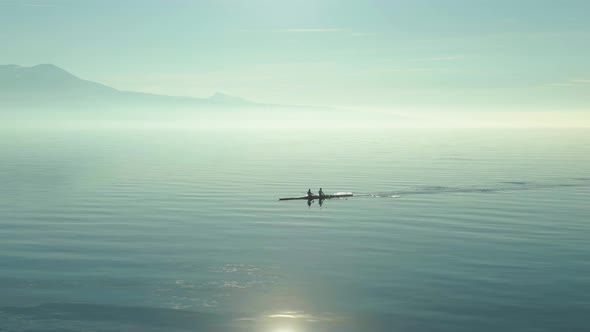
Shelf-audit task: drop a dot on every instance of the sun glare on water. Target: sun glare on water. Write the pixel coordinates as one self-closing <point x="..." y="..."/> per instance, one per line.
<point x="289" y="321"/>
<point x="285" y="329"/>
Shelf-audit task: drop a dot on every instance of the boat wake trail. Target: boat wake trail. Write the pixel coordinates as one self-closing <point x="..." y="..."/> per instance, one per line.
<point x="343" y="193"/>
<point x="505" y="186"/>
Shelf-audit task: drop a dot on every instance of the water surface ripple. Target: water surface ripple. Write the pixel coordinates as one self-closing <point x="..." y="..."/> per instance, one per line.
<point x="450" y="230"/>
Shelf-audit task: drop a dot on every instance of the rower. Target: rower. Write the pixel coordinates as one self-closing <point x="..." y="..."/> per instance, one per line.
<point x="309" y="193"/>
<point x="321" y="193"/>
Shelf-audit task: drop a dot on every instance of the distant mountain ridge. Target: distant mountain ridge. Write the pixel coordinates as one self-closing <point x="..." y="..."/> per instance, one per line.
<point x="47" y="85"/>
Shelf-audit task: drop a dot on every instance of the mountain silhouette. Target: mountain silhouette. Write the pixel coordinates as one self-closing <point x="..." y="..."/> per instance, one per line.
<point x="47" y="86"/>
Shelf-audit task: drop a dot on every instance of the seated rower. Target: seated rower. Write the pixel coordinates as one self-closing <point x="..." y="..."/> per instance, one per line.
<point x="309" y="193"/>
<point x="321" y="193"/>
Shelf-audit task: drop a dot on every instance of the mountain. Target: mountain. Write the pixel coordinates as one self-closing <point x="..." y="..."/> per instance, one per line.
<point x="48" y="86"/>
<point x="46" y="96"/>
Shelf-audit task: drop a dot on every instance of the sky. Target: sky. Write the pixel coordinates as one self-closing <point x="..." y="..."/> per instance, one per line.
<point x="436" y="55"/>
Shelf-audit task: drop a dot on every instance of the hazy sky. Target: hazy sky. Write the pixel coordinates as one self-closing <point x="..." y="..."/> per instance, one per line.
<point x="419" y="54"/>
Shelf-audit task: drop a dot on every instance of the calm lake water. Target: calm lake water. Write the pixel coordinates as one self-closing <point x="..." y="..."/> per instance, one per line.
<point x="450" y="230"/>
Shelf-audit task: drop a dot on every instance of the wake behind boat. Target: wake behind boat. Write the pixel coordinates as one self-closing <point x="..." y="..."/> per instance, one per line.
<point x="317" y="197"/>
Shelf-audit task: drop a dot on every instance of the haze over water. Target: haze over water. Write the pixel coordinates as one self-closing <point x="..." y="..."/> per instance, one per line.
<point x="450" y="230"/>
<point x="144" y="146"/>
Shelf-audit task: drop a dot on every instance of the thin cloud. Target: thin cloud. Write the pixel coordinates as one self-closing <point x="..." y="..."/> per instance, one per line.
<point x="312" y="30"/>
<point x="410" y="70"/>
<point x="562" y="84"/>
<point x="571" y="83"/>
<point x="443" y="58"/>
<point x="296" y="30"/>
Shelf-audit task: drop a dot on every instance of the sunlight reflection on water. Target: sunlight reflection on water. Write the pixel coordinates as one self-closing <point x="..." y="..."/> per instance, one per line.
<point x="184" y="231"/>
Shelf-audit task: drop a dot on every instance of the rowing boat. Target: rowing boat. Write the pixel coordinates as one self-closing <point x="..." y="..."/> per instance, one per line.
<point x="316" y="197"/>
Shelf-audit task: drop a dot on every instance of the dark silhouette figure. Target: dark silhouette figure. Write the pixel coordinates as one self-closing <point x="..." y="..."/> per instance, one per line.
<point x="309" y="193"/>
<point x="321" y="193"/>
